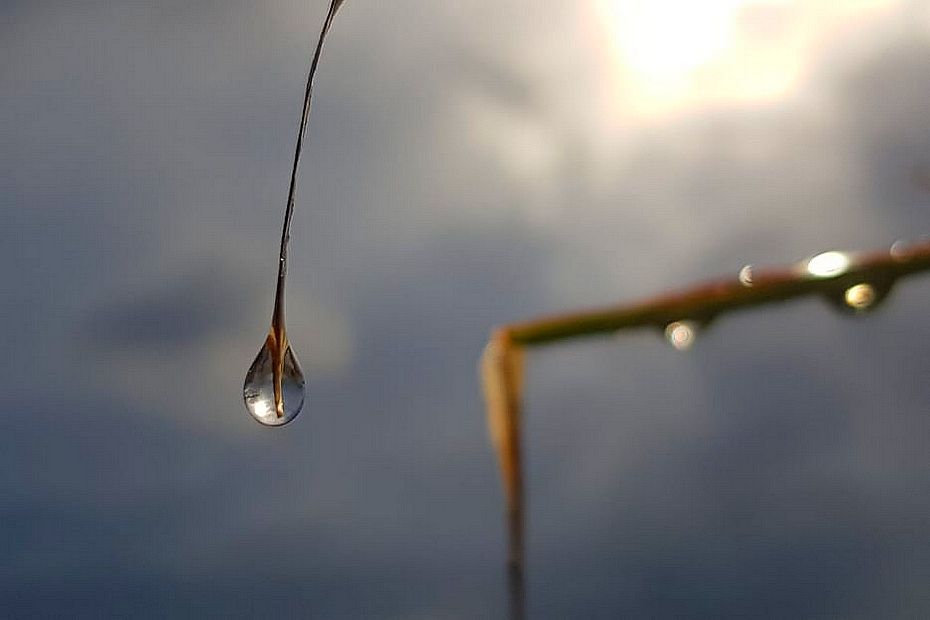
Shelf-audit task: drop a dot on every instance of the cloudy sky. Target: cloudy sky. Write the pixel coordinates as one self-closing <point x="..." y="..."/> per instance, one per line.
<point x="469" y="164"/>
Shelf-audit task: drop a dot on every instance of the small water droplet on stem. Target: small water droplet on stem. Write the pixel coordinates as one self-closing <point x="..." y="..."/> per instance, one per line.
<point x="745" y="276"/>
<point x="860" y="296"/>
<point x="681" y="334"/>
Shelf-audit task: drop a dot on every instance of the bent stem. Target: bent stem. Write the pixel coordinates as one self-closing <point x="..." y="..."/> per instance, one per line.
<point x="501" y="366"/>
<point x="502" y="379"/>
<point x="277" y="336"/>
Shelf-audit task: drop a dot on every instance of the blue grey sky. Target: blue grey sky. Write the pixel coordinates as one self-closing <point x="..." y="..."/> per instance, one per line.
<point x="468" y="164"/>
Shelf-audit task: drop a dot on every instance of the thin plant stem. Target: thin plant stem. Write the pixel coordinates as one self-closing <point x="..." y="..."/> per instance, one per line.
<point x="278" y="315"/>
<point x="277" y="337"/>
<point x="711" y="299"/>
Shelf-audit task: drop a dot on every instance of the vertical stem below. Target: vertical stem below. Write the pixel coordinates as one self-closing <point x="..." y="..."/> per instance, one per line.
<point x="515" y="584"/>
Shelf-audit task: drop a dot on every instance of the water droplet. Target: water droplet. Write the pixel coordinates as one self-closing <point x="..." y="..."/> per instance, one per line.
<point x="268" y="405"/>
<point x="860" y="298"/>
<point x="899" y="250"/>
<point x="745" y="276"/>
<point x="828" y="264"/>
<point x="863" y="297"/>
<point x="681" y="334"/>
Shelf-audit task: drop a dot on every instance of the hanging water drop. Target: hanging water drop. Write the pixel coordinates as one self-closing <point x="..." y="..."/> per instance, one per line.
<point x="681" y="334"/>
<point x="274" y="385"/>
<point x="745" y="276"/>
<point x="860" y="296"/>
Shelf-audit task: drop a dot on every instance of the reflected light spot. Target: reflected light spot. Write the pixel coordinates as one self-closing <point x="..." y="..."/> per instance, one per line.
<point x="860" y="296"/>
<point x="745" y="276"/>
<point x="680" y="334"/>
<point x="898" y="250"/>
<point x="828" y="264"/>
<point x="262" y="408"/>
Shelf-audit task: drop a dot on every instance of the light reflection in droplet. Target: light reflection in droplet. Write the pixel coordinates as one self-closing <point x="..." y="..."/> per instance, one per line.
<point x="745" y="276"/>
<point x="828" y="264"/>
<point x="680" y="334"/>
<point x="899" y="250"/>
<point x="860" y="296"/>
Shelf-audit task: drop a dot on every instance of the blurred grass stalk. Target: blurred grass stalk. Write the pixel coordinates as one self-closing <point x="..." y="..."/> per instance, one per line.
<point x="853" y="282"/>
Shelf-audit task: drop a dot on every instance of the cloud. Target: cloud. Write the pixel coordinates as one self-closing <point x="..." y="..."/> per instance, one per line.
<point x="171" y="346"/>
<point x="468" y="165"/>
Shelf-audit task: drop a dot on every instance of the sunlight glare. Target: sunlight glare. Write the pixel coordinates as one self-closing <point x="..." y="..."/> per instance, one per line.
<point x="670" y="54"/>
<point x="664" y="40"/>
<point x="658" y="45"/>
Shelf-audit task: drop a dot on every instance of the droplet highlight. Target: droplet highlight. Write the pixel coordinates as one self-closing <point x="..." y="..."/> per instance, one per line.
<point x="745" y="276"/>
<point x="273" y="396"/>
<point x="899" y="250"/>
<point x="681" y="334"/>
<point x="828" y="264"/>
<point x="860" y="297"/>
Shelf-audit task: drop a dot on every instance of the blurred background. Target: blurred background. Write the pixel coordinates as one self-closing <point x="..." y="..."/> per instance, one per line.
<point x="469" y="164"/>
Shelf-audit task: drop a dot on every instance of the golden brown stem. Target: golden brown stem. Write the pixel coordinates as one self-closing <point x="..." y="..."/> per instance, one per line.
<point x="502" y="378"/>
<point x="714" y="298"/>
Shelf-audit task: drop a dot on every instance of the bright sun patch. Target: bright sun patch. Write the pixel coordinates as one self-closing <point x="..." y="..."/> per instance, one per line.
<point x="671" y="54"/>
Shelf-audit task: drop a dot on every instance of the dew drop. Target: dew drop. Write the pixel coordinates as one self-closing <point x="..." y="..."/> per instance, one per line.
<point x="904" y="251"/>
<point x="860" y="297"/>
<point x="745" y="276"/>
<point x="899" y="250"/>
<point x="681" y="334"/>
<point x="259" y="391"/>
